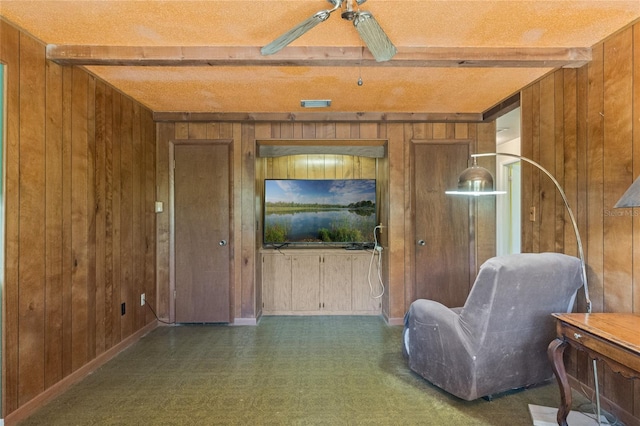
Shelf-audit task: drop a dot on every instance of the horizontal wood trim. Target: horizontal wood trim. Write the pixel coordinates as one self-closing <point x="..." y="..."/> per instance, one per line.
<point x="358" y="147"/>
<point x="534" y="57"/>
<point x="336" y="117"/>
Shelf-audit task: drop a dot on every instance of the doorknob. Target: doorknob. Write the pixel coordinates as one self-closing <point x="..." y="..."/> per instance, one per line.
<point x="222" y="243"/>
<point x="421" y="243"/>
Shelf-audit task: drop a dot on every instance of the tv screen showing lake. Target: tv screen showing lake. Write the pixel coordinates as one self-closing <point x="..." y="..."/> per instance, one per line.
<point x="328" y="211"/>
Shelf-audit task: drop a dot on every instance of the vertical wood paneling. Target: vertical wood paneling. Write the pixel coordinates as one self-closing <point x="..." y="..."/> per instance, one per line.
<point x="485" y="242"/>
<point x="32" y="270"/>
<point x="247" y="238"/>
<point x="10" y="55"/>
<point x="321" y="166"/>
<point x="636" y="172"/>
<point x="53" y="226"/>
<point x="526" y="149"/>
<point x="107" y="175"/>
<point x="569" y="156"/>
<point x="100" y="219"/>
<point x="126" y="217"/>
<point x="62" y="197"/>
<point x="558" y="161"/>
<point x="149" y="188"/>
<point x="596" y="145"/>
<point x="91" y="219"/>
<point x="79" y="219"/>
<point x="116" y="206"/>
<point x="67" y="244"/>
<point x="165" y="133"/>
<point x="138" y="222"/>
<point x="547" y="145"/>
<point x="595" y="178"/>
<point x="617" y="161"/>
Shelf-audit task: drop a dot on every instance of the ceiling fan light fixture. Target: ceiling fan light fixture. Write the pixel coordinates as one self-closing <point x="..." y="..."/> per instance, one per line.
<point x="295" y="32"/>
<point x="374" y="37"/>
<point x="315" y="103"/>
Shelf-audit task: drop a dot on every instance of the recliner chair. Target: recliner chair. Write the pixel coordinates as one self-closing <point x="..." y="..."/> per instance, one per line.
<point x="498" y="340"/>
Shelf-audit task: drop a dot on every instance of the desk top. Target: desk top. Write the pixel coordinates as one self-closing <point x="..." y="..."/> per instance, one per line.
<point x="622" y="329"/>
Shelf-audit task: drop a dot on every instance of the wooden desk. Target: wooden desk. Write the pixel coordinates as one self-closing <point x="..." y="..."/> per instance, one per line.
<point x="609" y="337"/>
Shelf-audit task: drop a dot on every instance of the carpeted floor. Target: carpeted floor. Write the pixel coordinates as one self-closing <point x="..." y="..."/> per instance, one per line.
<point x="285" y="371"/>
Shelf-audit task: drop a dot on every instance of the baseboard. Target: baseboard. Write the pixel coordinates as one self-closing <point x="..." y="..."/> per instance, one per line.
<point x="60" y="387"/>
<point x="395" y="321"/>
<point x="245" y="321"/>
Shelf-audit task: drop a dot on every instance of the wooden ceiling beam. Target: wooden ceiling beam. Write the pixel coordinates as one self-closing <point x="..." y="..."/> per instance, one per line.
<point x="457" y="57"/>
<point x="362" y="117"/>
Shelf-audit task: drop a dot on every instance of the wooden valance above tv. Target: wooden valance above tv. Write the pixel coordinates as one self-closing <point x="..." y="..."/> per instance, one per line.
<point x="373" y="148"/>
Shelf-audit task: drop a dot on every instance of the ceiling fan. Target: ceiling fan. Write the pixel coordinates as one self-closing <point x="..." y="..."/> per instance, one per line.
<point x="368" y="28"/>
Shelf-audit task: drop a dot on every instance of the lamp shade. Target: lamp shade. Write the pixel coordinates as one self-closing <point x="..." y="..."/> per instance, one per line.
<point x="475" y="180"/>
<point x="631" y="198"/>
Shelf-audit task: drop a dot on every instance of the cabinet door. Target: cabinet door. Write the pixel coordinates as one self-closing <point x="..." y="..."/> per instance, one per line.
<point x="362" y="292"/>
<point x="276" y="282"/>
<point x="336" y="283"/>
<point x="305" y="275"/>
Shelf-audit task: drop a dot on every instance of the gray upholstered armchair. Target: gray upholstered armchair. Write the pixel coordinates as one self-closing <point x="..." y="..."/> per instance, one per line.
<point x="497" y="341"/>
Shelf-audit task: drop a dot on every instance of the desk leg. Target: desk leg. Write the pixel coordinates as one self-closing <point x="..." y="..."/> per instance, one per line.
<point x="555" y="353"/>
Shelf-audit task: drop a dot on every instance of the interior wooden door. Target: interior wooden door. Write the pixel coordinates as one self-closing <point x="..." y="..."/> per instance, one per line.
<point x="443" y="236"/>
<point x="202" y="248"/>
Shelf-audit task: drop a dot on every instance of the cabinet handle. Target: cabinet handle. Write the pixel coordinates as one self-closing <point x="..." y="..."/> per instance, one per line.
<point x="577" y="336"/>
<point x="421" y="242"/>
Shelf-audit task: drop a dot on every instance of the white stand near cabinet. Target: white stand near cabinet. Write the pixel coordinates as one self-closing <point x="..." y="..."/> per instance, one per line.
<point x="319" y="282"/>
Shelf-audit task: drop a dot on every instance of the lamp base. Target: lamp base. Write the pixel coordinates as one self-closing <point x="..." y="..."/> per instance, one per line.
<point x="546" y="416"/>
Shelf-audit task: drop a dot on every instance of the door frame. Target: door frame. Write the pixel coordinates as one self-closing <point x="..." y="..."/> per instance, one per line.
<point x="172" y="223"/>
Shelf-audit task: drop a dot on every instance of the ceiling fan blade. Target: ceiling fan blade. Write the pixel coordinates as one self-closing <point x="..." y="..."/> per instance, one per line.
<point x="295" y="32"/>
<point x="374" y="37"/>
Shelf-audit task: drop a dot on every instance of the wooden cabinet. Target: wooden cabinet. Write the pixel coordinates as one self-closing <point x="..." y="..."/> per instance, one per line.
<point x="305" y="282"/>
<point x="316" y="282"/>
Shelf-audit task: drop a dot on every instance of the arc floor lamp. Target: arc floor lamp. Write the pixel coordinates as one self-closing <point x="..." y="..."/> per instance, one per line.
<point x="478" y="181"/>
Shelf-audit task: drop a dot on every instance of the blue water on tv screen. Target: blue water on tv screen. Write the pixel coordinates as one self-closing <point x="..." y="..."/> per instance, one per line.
<point x="326" y="211"/>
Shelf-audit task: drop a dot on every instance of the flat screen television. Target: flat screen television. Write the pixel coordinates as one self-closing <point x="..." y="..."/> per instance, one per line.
<point x="338" y="212"/>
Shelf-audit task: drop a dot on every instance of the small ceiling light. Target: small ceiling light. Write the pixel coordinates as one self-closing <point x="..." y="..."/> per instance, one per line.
<point x="315" y="103"/>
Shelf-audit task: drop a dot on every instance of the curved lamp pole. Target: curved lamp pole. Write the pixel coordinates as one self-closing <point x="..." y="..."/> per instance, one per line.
<point x="477" y="181"/>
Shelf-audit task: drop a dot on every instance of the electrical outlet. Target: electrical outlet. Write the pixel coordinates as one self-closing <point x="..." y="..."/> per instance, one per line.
<point x="143" y="299"/>
<point x="123" y="308"/>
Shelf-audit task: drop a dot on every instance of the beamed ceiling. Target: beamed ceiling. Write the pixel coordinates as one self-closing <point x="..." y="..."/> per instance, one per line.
<point x="456" y="59"/>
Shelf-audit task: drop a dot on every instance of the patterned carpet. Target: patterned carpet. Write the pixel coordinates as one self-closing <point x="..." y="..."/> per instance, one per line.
<point x="285" y="371"/>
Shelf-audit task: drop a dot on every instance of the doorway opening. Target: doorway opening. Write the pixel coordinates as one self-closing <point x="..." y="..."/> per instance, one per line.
<point x="508" y="208"/>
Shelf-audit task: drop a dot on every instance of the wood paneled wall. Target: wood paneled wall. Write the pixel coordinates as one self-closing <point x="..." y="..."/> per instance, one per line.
<point x="80" y="221"/>
<point x="394" y="184"/>
<point x="584" y="126"/>
<point x="321" y="166"/>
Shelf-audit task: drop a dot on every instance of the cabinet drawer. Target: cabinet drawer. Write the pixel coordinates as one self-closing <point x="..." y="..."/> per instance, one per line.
<point x="598" y="347"/>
